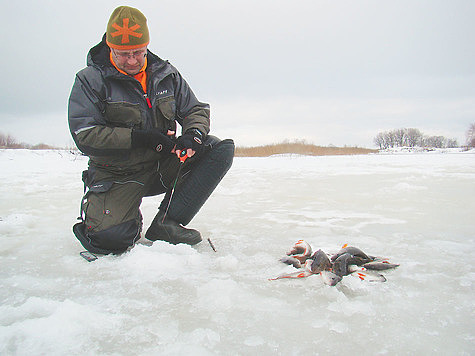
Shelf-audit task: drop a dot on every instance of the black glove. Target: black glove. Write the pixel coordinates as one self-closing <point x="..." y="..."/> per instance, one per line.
<point x="153" y="139"/>
<point x="193" y="139"/>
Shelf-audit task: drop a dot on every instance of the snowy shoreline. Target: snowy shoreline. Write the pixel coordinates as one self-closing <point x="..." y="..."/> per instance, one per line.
<point x="430" y="150"/>
<point x="388" y="151"/>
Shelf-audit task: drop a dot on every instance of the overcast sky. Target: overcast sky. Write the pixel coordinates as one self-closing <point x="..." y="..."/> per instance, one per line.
<point x="331" y="72"/>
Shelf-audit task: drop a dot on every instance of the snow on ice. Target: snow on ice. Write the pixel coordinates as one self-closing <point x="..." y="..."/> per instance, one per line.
<point x="415" y="209"/>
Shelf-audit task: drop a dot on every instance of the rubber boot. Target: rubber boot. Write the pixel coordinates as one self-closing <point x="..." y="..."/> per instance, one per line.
<point x="171" y="231"/>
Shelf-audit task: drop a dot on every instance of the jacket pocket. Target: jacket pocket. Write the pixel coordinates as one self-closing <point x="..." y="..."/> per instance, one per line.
<point x="165" y="113"/>
<point x="123" y="114"/>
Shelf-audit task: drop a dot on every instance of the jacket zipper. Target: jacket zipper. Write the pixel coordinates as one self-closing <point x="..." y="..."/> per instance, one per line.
<point x="147" y="99"/>
<point x="136" y="82"/>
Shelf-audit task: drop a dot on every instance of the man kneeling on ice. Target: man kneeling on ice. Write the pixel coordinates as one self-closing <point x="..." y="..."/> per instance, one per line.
<point x="123" y="113"/>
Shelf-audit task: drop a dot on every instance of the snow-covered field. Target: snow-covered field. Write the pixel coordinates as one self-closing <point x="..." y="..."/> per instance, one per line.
<point x="416" y="209"/>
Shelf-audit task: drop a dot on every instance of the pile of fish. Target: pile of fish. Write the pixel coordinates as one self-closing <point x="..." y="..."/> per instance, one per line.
<point x="332" y="268"/>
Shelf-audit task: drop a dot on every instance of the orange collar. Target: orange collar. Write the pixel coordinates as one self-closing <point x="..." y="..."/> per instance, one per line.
<point x="140" y="76"/>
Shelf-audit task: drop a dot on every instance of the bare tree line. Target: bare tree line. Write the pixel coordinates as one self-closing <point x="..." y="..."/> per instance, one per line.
<point x="410" y="137"/>
<point x="8" y="141"/>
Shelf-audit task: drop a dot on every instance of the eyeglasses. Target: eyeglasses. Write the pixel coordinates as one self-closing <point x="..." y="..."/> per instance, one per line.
<point x="126" y="55"/>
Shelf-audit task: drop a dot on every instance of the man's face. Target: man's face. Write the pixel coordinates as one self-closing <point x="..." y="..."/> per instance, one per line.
<point x="130" y="61"/>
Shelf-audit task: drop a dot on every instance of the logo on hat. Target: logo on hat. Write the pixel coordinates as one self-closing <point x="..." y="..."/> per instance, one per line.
<point x="125" y="30"/>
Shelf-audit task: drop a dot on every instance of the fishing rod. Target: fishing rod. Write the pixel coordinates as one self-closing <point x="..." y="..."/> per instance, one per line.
<point x="183" y="157"/>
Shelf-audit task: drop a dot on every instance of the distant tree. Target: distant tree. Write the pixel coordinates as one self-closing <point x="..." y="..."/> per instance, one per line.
<point x="14" y="143"/>
<point x="434" y="141"/>
<point x="471" y="135"/>
<point x="452" y="143"/>
<point x="379" y="141"/>
<point x="400" y="137"/>
<point x="413" y="137"/>
<point x="390" y="138"/>
<point x="8" y="141"/>
<point x="439" y="141"/>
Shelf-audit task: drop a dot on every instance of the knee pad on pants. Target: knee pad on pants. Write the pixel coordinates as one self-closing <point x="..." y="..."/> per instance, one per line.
<point x="115" y="239"/>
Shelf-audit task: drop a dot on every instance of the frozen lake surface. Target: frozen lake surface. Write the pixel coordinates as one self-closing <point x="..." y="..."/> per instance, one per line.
<point x="415" y="209"/>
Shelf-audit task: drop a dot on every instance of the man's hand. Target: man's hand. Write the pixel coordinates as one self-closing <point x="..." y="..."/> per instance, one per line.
<point x="191" y="141"/>
<point x="153" y="139"/>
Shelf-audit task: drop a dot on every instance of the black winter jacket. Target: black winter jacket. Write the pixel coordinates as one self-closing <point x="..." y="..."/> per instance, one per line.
<point x="105" y="105"/>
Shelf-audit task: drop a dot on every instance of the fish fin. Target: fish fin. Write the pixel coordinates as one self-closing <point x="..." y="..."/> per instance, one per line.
<point x="344" y="246"/>
<point x="368" y="276"/>
<point x="293" y="275"/>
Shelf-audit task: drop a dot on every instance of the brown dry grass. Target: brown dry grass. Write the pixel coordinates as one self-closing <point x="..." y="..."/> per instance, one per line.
<point x="300" y="148"/>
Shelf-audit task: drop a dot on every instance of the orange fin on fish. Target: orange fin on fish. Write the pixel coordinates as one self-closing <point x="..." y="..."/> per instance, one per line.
<point x="293" y="275"/>
<point x="368" y="276"/>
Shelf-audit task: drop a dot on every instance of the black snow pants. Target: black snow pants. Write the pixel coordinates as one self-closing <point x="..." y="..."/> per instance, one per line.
<point x="111" y="220"/>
